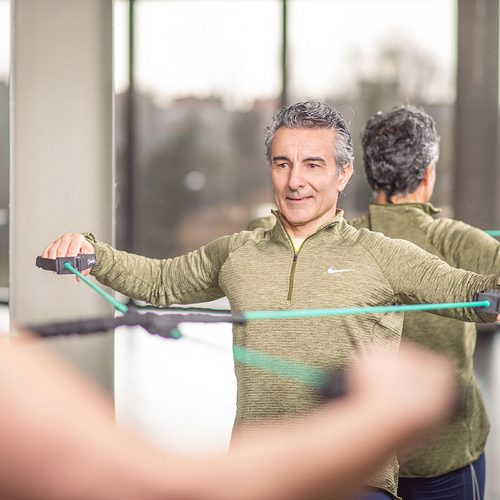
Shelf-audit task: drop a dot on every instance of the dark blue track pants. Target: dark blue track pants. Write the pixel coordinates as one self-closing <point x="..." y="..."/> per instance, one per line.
<point x="466" y="483"/>
<point x="374" y="495"/>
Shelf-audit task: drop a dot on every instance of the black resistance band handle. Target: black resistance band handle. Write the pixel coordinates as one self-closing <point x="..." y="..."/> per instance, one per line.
<point x="80" y="263"/>
<point x="156" y="324"/>
<point x="491" y="294"/>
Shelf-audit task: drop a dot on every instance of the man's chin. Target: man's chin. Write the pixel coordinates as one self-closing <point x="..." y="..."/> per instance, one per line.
<point x="295" y="219"/>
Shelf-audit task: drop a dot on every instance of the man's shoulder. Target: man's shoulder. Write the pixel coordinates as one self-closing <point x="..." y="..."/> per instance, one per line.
<point x="376" y="250"/>
<point x="447" y="228"/>
<point x="380" y="245"/>
<point x="372" y="241"/>
<point x="463" y="245"/>
<point x="360" y="222"/>
<point x="266" y="222"/>
<point x="421" y="222"/>
<point x="245" y="236"/>
<point x="232" y="242"/>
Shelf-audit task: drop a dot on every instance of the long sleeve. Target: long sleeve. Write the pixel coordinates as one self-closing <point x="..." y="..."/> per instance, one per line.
<point x="417" y="276"/>
<point x="465" y="246"/>
<point x="190" y="278"/>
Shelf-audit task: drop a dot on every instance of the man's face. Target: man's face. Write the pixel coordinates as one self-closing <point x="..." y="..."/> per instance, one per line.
<point x="304" y="178"/>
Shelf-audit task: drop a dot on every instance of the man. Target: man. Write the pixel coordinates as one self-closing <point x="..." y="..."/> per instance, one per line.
<point x="310" y="259"/>
<point x="59" y="438"/>
<point x="401" y="149"/>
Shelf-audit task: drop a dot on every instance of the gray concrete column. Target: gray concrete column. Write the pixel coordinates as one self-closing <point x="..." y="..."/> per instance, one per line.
<point x="477" y="173"/>
<point x="61" y="161"/>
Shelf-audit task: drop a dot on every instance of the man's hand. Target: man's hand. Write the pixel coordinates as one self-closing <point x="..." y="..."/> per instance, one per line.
<point x="69" y="245"/>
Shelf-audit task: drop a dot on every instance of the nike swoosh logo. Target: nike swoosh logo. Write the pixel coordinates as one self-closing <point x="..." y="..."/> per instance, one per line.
<point x="331" y="270"/>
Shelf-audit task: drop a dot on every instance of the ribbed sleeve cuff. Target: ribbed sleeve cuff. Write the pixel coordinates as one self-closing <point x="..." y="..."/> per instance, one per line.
<point x="100" y="253"/>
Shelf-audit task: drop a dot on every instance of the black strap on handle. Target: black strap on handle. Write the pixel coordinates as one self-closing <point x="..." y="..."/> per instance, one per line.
<point x="491" y="294"/>
<point x="79" y="262"/>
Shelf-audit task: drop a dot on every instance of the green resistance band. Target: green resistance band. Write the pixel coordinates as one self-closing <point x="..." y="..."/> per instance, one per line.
<point x="315" y="313"/>
<point x="494" y="232"/>
<point x="106" y="296"/>
<point x="306" y="313"/>
<point x="299" y="372"/>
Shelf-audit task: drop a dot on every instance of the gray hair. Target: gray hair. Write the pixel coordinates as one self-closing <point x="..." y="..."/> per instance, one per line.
<point x="397" y="149"/>
<point x="314" y="114"/>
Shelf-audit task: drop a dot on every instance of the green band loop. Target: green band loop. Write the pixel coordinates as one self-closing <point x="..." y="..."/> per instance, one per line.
<point x="292" y="370"/>
<point x="494" y="232"/>
<point x="299" y="372"/>
<point x="315" y="313"/>
<point x="115" y="303"/>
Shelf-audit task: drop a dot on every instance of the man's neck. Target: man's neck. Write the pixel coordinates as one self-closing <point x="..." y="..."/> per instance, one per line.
<point x="303" y="231"/>
<point x="417" y="196"/>
<point x="299" y="232"/>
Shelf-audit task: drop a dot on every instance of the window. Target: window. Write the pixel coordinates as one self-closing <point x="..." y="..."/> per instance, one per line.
<point x="207" y="81"/>
<point x="362" y="61"/>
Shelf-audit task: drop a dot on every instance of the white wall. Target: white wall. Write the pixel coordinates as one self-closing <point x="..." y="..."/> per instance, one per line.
<point x="61" y="163"/>
<point x="179" y="393"/>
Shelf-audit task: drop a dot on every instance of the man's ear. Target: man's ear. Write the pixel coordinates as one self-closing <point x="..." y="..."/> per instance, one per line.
<point x="430" y="174"/>
<point x="344" y="176"/>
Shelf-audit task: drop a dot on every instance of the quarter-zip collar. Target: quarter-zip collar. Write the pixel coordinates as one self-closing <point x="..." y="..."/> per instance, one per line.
<point x="280" y="234"/>
<point x="428" y="208"/>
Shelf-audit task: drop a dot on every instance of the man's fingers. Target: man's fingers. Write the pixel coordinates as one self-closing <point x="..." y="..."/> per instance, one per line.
<point x="87" y="247"/>
<point x="62" y="248"/>
<point x="52" y="250"/>
<point x="68" y="245"/>
<point x="76" y="245"/>
<point x="45" y="253"/>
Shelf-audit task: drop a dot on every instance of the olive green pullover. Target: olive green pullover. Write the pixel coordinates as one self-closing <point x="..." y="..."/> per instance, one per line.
<point x="337" y="266"/>
<point x="462" y="440"/>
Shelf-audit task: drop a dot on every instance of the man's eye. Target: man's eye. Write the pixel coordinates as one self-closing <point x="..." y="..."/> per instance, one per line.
<point x="313" y="165"/>
<point x="282" y="165"/>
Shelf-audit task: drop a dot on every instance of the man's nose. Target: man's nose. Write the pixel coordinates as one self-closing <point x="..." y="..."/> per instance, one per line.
<point x="296" y="179"/>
